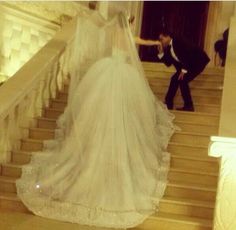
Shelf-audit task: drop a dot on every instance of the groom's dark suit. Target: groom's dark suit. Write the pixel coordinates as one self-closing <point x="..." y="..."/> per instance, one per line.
<point x="187" y="58"/>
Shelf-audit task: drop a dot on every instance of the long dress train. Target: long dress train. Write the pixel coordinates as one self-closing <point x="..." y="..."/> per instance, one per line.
<point x="111" y="169"/>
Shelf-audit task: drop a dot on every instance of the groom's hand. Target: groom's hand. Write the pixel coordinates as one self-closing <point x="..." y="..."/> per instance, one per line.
<point x="181" y="76"/>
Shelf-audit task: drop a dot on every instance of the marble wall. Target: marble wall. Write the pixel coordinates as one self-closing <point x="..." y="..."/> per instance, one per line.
<point x="219" y="16"/>
<point x="25" y="27"/>
<point x="49" y="10"/>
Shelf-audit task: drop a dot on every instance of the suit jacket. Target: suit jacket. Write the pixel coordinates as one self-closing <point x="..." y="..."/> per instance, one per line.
<point x="191" y="58"/>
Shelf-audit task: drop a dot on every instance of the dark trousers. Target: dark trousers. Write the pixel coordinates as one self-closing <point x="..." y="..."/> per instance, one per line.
<point x="175" y="83"/>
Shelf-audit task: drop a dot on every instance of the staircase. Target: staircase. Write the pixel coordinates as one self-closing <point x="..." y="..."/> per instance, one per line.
<point x="189" y="199"/>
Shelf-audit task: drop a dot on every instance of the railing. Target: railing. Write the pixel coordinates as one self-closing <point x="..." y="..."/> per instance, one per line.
<point x="24" y="95"/>
<point x="224" y="146"/>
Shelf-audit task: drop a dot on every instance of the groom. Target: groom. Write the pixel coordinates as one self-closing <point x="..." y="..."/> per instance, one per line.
<point x="189" y="62"/>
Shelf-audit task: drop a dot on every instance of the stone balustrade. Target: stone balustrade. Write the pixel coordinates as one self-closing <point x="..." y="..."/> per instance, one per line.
<point x="24" y="95"/>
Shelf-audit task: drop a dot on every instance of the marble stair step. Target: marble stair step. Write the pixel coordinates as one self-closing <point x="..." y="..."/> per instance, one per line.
<point x="41" y="134"/>
<point x="191" y="191"/>
<point x="195" y="90"/>
<point x="46" y="123"/>
<point x="199" y="99"/>
<point x="189" y="126"/>
<point x="174" y="189"/>
<point x="169" y="221"/>
<point x="29" y="144"/>
<point x="187" y="207"/>
<point x="205" y="83"/>
<point x="10" y="202"/>
<point x="203" y="164"/>
<point x="196" y="117"/>
<point x="200" y="177"/>
<point x="58" y="104"/>
<point x="187" y="150"/>
<point x="191" y="138"/>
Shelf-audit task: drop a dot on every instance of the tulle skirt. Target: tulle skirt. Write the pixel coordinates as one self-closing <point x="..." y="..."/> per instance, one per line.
<point x="110" y="169"/>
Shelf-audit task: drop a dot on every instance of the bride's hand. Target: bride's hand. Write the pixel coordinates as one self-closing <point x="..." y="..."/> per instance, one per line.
<point x="157" y="42"/>
<point x="141" y="41"/>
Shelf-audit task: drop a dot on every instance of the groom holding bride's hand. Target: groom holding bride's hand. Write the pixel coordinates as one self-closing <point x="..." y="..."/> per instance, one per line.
<point x="189" y="61"/>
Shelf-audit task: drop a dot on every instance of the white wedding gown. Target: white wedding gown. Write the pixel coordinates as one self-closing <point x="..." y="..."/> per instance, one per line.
<point x="110" y="169"/>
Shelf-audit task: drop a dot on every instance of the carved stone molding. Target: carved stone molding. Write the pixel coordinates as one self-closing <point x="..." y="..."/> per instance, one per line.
<point x="51" y="11"/>
<point x="225" y="210"/>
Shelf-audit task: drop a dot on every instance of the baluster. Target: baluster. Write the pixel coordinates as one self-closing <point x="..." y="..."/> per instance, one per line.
<point x="4" y="142"/>
<point x="15" y="128"/>
<point x="31" y="111"/>
<point x="46" y="89"/>
<point x="23" y="119"/>
<point x="40" y="98"/>
<point x="53" y="85"/>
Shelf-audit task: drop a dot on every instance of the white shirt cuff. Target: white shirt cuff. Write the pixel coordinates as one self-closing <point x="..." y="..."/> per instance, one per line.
<point x="160" y="55"/>
<point x="184" y="71"/>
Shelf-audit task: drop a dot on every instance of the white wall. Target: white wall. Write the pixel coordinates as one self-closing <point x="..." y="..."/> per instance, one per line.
<point x="25" y="27"/>
<point x="219" y="16"/>
<point x="226" y="14"/>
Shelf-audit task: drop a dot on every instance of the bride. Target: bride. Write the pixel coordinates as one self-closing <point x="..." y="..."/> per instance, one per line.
<point x="108" y="166"/>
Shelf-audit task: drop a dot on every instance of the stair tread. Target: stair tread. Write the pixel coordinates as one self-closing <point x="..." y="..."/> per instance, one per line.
<point x="195" y="113"/>
<point x="194" y="123"/>
<point x="20" y="151"/>
<point x="46" y="119"/>
<point x="192" y="171"/>
<point x="32" y="140"/>
<point x="160" y="93"/>
<point x="28" y="152"/>
<point x="62" y="92"/>
<point x="192" y="186"/>
<point x="150" y="76"/>
<point x="58" y="100"/>
<point x="23" y="152"/>
<point x="188" y="145"/>
<point x="193" y="95"/>
<point x="171" y="184"/>
<point x="187" y="201"/>
<point x="197" y="104"/>
<point x="206" y="159"/>
<point x="8" y="179"/>
<point x="9" y="196"/>
<point x="206" y="104"/>
<point x="182" y="218"/>
<point x="42" y="129"/>
<point x="54" y="109"/>
<point x="201" y="78"/>
<point x="196" y="95"/>
<point x="201" y="87"/>
<point x="12" y="164"/>
<point x="193" y="133"/>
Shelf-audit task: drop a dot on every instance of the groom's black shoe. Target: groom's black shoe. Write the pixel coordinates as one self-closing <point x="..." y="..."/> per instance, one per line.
<point x="186" y="108"/>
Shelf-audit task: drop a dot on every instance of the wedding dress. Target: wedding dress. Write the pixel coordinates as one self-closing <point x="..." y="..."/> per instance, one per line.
<point x="108" y="167"/>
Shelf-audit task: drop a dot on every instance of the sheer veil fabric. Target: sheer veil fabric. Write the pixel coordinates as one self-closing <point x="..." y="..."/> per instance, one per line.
<point x="108" y="165"/>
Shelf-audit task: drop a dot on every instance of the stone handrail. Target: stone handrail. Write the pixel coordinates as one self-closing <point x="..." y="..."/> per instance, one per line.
<point x="24" y="95"/>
